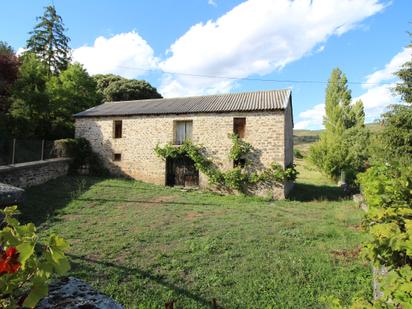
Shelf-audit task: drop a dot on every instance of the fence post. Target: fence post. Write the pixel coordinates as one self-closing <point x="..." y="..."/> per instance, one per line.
<point x="42" y="150"/>
<point x="13" y="153"/>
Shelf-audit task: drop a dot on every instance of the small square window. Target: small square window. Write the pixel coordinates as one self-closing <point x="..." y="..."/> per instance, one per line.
<point x="239" y="125"/>
<point x="239" y="163"/>
<point x="117" y="157"/>
<point x="117" y="124"/>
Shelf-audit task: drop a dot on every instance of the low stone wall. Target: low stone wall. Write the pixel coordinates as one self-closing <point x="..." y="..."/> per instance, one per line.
<point x="10" y="195"/>
<point x="33" y="173"/>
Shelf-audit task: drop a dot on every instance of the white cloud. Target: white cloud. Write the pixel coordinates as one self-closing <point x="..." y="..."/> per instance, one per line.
<point x="212" y="2"/>
<point x="311" y="118"/>
<point x="387" y="73"/>
<point x="116" y="54"/>
<point x="376" y="99"/>
<point x="379" y="86"/>
<point x="257" y="37"/>
<point x="20" y="51"/>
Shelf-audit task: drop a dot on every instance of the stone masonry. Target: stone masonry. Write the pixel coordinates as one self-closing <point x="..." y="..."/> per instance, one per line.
<point x="269" y="132"/>
<point x="33" y="173"/>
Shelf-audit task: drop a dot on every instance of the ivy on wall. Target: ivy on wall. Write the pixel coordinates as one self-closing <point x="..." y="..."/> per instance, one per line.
<point x="239" y="178"/>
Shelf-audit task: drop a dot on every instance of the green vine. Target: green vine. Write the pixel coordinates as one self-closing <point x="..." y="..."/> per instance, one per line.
<point x="238" y="178"/>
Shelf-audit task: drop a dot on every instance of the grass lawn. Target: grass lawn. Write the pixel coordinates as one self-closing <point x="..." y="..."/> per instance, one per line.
<point x="145" y="245"/>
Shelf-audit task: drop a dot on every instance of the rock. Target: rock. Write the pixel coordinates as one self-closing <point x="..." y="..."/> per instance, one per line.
<point x="10" y="195"/>
<point x="73" y="293"/>
<point x="359" y="199"/>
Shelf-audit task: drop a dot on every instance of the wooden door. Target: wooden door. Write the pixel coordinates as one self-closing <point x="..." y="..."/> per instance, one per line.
<point x="181" y="171"/>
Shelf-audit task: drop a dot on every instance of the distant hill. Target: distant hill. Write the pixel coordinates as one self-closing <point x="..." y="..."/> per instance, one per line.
<point x="303" y="138"/>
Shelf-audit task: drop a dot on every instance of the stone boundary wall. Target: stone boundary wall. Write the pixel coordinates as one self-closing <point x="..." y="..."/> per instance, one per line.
<point x="33" y="173"/>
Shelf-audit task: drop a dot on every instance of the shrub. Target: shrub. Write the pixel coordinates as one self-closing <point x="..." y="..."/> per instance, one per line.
<point x="80" y="150"/>
<point x="297" y="153"/>
<point x="26" y="265"/>
<point x="347" y="153"/>
<point x="388" y="193"/>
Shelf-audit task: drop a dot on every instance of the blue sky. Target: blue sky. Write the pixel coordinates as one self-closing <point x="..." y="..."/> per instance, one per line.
<point x="264" y="39"/>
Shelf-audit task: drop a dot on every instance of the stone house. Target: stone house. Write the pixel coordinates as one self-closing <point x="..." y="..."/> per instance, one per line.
<point x="125" y="133"/>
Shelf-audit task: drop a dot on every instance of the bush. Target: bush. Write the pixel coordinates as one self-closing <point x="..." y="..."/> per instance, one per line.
<point x="80" y="150"/>
<point x="388" y="192"/>
<point x="347" y="154"/>
<point x="394" y="142"/>
<point x="297" y="153"/>
<point x="26" y="265"/>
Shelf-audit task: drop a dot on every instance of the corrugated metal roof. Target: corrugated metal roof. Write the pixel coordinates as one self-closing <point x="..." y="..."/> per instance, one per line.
<point x="232" y="102"/>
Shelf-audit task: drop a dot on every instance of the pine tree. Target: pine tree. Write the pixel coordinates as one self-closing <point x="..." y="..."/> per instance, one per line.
<point x="49" y="42"/>
<point x="337" y="102"/>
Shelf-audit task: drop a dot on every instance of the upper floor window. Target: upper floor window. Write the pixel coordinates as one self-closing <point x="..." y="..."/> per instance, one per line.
<point x="239" y="125"/>
<point x="183" y="131"/>
<point x="117" y="128"/>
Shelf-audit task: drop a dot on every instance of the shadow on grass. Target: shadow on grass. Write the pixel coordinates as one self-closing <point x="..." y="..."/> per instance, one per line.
<point x="134" y="271"/>
<point x="42" y="202"/>
<point x="148" y="201"/>
<point x="304" y="192"/>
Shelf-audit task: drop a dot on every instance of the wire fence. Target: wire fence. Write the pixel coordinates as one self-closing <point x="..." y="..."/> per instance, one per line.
<point x="13" y="151"/>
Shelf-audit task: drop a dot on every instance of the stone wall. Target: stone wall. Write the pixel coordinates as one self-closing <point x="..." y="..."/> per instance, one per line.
<point x="33" y="173"/>
<point x="264" y="130"/>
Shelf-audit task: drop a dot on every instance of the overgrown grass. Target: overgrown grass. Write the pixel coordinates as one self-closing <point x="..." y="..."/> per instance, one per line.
<point x="145" y="245"/>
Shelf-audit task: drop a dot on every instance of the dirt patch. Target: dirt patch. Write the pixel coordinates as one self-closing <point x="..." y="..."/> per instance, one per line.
<point x="192" y="215"/>
<point x="347" y="255"/>
<point x="355" y="227"/>
<point x="73" y="217"/>
<point x="146" y="203"/>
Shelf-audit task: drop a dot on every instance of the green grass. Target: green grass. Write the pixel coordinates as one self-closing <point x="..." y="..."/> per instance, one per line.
<point x="145" y="245"/>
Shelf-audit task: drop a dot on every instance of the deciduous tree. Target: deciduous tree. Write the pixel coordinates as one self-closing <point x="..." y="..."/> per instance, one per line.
<point x="30" y="108"/>
<point x="116" y="88"/>
<point x="9" y="66"/>
<point x="342" y="147"/>
<point x="70" y="92"/>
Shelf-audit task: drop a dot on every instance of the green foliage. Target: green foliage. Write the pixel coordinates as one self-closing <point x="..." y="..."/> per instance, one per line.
<point x="394" y="142"/>
<point x="71" y="92"/>
<point x="80" y="150"/>
<point x="9" y="66"/>
<point x="32" y="265"/>
<point x="43" y="106"/>
<point x="337" y="103"/>
<point x="297" y="153"/>
<point x="116" y="88"/>
<point x="388" y="193"/>
<point x="343" y="145"/>
<point x="404" y="87"/>
<point x="237" y="178"/>
<point x="31" y="109"/>
<point x="240" y="149"/>
<point x="49" y="42"/>
<point x="387" y="189"/>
